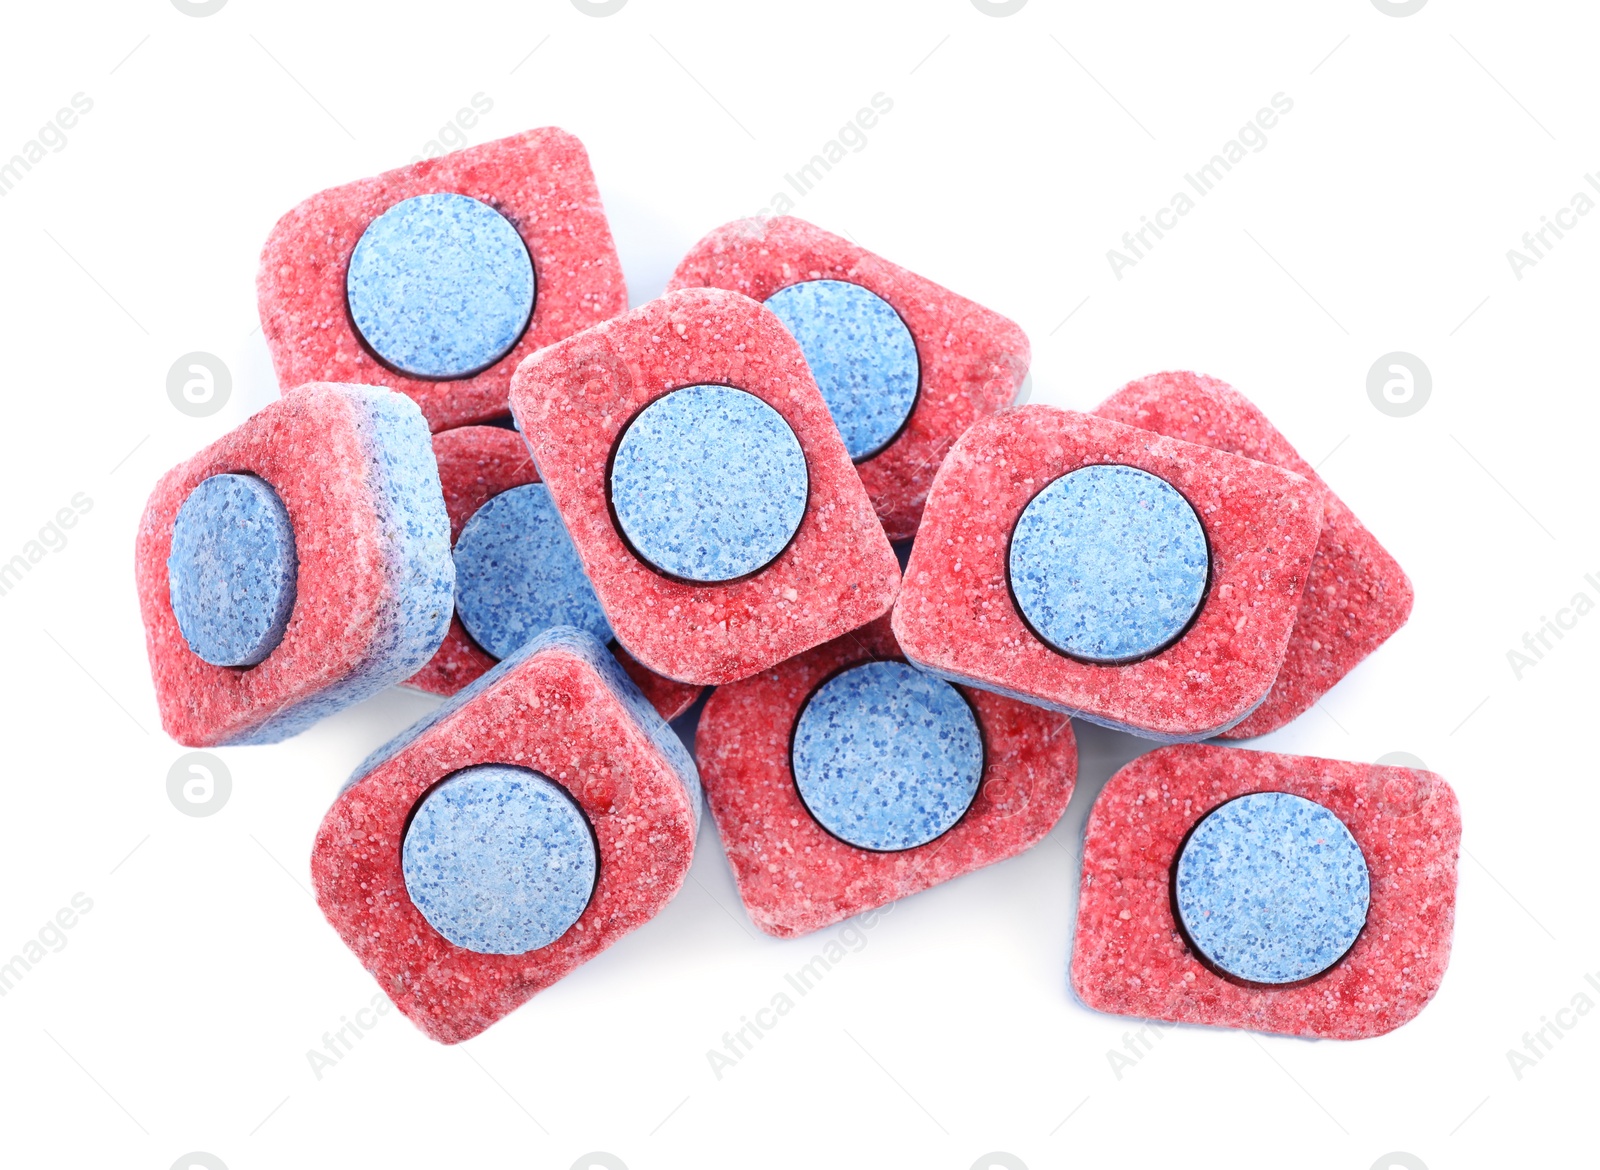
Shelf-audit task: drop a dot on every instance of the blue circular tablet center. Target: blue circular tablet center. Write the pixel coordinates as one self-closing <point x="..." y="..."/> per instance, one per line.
<point x="517" y="573"/>
<point x="1109" y="563"/>
<point x="499" y="860"/>
<point x="709" y="483"/>
<point x="1272" y="888"/>
<point x="231" y="571"/>
<point x="861" y="354"/>
<point x="887" y="757"/>
<point x="440" y="286"/>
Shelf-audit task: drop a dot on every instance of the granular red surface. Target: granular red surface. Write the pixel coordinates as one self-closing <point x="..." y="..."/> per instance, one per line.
<point x="956" y="615"/>
<point x="475" y="465"/>
<point x="553" y="712"/>
<point x="539" y="180"/>
<point x="1356" y="594"/>
<point x="1129" y="957"/>
<point x="793" y="876"/>
<point x="973" y="359"/>
<point x="573" y="401"/>
<point x="308" y="446"/>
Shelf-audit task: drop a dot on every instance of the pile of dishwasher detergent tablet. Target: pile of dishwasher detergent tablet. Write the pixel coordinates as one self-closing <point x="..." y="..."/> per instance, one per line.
<point x="488" y="479"/>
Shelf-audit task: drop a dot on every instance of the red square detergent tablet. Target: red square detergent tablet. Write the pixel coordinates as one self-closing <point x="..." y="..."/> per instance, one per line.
<point x="705" y="487"/>
<point x="1278" y="893"/>
<point x="845" y="778"/>
<point x="297" y="565"/>
<point x="538" y="816"/>
<point x="1355" y="596"/>
<point x="904" y="365"/>
<point x="517" y="573"/>
<point x="436" y="279"/>
<point x="1136" y="581"/>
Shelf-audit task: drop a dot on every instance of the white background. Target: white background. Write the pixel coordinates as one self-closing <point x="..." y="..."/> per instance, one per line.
<point x="178" y="1015"/>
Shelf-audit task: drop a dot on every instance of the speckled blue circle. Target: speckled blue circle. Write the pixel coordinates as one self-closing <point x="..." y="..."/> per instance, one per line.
<point x="1272" y="888"/>
<point x="887" y="757"/>
<point x="231" y="570"/>
<point x="709" y="483"/>
<point x="499" y="859"/>
<point x="1109" y="563"/>
<point x="440" y="286"/>
<point x="517" y="573"/>
<point x="861" y="354"/>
